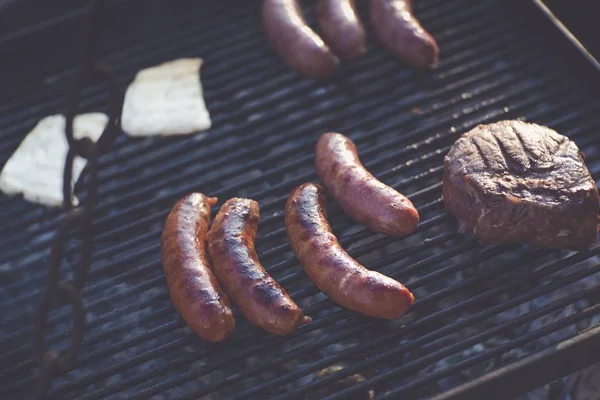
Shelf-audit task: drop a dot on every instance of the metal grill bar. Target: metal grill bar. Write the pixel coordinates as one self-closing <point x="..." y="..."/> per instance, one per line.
<point x="154" y="266"/>
<point x="4" y="39"/>
<point x="265" y="221"/>
<point x="267" y="204"/>
<point x="496" y="68"/>
<point x="435" y="259"/>
<point x="220" y="49"/>
<point x="514" y="343"/>
<point x="138" y="50"/>
<point x="437" y="334"/>
<point x="368" y="151"/>
<point x="178" y="325"/>
<point x="265" y="345"/>
<point x="222" y="150"/>
<point x="413" y="344"/>
<point x="533" y="371"/>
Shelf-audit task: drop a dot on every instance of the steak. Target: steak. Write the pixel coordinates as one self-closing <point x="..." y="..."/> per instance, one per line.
<point x="517" y="182"/>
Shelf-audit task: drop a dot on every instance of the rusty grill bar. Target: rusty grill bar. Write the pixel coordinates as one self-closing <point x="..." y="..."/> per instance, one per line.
<point x="472" y="301"/>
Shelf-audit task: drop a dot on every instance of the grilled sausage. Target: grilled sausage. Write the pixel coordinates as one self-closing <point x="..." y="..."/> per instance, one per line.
<point x="194" y="290"/>
<point x="301" y="48"/>
<point x="333" y="271"/>
<point x="368" y="201"/>
<point x="341" y="28"/>
<point x="401" y="33"/>
<point x="231" y="245"/>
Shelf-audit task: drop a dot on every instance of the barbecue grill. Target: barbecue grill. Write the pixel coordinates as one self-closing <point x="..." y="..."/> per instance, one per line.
<point x="493" y="321"/>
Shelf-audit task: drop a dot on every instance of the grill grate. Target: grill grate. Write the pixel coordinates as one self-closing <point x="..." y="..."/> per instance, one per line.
<point x="478" y="307"/>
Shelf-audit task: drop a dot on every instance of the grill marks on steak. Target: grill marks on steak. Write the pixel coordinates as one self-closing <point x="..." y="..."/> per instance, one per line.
<point x="531" y="163"/>
<point x="513" y="181"/>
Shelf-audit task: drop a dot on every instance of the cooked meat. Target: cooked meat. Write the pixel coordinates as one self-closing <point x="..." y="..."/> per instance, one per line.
<point x="517" y="182"/>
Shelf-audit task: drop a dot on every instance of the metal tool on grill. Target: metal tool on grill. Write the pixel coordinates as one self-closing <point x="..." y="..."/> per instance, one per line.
<point x="79" y="217"/>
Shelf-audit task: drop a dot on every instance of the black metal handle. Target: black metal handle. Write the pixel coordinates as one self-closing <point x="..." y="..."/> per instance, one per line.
<point x="77" y="218"/>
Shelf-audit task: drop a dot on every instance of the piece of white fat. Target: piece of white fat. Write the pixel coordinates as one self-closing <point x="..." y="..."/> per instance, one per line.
<point x="166" y="100"/>
<point x="36" y="168"/>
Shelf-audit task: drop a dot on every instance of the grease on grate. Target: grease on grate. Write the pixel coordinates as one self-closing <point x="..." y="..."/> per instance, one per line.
<point x="338" y="386"/>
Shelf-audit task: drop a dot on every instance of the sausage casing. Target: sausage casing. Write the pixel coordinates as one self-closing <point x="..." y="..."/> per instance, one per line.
<point x="260" y="298"/>
<point x="341" y="28"/>
<point x="194" y="290"/>
<point x="334" y="272"/>
<point x="301" y="48"/>
<point x="402" y="34"/>
<point x="367" y="200"/>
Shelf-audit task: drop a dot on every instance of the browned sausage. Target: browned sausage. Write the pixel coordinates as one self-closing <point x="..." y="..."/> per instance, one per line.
<point x="231" y="245"/>
<point x="341" y="28"/>
<point x="401" y="33"/>
<point x="293" y="39"/>
<point x="333" y="271"/>
<point x="194" y="290"/>
<point x="368" y="201"/>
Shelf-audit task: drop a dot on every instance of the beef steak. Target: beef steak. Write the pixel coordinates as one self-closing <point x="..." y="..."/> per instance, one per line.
<point x="517" y="182"/>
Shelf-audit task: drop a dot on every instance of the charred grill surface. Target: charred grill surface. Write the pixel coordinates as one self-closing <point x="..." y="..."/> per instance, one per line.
<point x="477" y="308"/>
